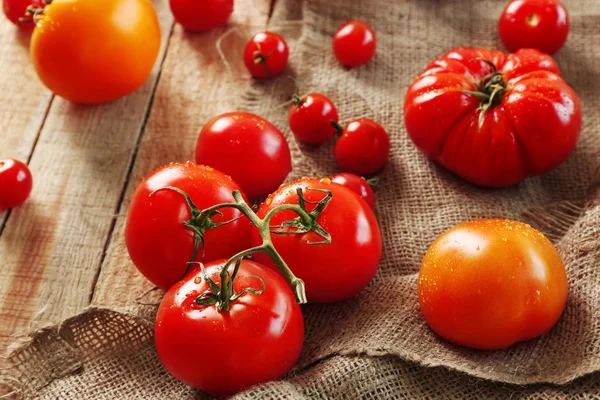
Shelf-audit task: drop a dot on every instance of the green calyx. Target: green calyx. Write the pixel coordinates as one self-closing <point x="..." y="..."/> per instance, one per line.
<point x="260" y="58"/>
<point x="34" y="12"/>
<point x="490" y="90"/>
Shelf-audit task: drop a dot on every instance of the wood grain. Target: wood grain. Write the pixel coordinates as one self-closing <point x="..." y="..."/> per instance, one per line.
<point x="195" y="85"/>
<point x="51" y="248"/>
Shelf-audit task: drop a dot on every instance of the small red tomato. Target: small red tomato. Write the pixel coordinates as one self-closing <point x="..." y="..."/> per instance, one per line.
<point x="158" y="241"/>
<point x="248" y="148"/>
<point x="310" y="118"/>
<point x="536" y="24"/>
<point x="354" y="43"/>
<point x="363" y="148"/>
<point x="198" y="16"/>
<point x="15" y="183"/>
<point x="266" y="55"/>
<point x="258" y="339"/>
<point x="16" y="9"/>
<point x="358" y="185"/>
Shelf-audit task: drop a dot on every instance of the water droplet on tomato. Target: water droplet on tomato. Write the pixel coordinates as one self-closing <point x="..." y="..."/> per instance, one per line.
<point x="197" y="280"/>
<point x="326" y="181"/>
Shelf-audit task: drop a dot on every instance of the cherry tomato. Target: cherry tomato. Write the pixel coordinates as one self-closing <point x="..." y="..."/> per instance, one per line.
<point x="16" y="9"/>
<point x="266" y="55"/>
<point x="257" y="340"/>
<point x="90" y="51"/>
<point x="493" y="122"/>
<point x="488" y="284"/>
<point x="15" y="183"/>
<point x="354" y="43"/>
<point x="248" y="148"/>
<point x="310" y="118"/>
<point x="363" y="148"/>
<point x="535" y="24"/>
<point x="358" y="185"/>
<point x="332" y="272"/>
<point x="159" y="243"/>
<point x="198" y="16"/>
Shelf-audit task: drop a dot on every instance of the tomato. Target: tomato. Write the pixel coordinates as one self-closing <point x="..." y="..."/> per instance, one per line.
<point x="90" y="51"/>
<point x="363" y="148"/>
<point x="17" y="9"/>
<point x="488" y="284"/>
<point x="358" y="185"/>
<point x="332" y="272"/>
<point x="266" y="55"/>
<point x="258" y="339"/>
<point x="493" y="128"/>
<point x="15" y="183"/>
<point x="536" y="24"/>
<point x="310" y="118"/>
<point x="248" y="148"/>
<point x="159" y="243"/>
<point x="354" y="43"/>
<point x="198" y="16"/>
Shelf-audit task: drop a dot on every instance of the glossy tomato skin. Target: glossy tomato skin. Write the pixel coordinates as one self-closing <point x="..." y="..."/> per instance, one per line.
<point x="310" y="121"/>
<point x="363" y="148"/>
<point x="15" y="183"/>
<point x="159" y="244"/>
<point x="335" y="271"/>
<point x="257" y="340"/>
<point x="248" y="148"/>
<point x="531" y="131"/>
<point x="199" y="16"/>
<point x="16" y="9"/>
<point x="358" y="185"/>
<point x="488" y="284"/>
<point x="92" y="52"/>
<point x="354" y="43"/>
<point x="535" y="24"/>
<point x="273" y="48"/>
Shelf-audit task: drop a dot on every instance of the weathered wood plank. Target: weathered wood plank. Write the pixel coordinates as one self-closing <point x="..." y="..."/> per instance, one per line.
<point x="52" y="247"/>
<point x="194" y="86"/>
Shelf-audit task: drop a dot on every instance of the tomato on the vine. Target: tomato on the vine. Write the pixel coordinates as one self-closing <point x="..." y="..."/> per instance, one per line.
<point x="16" y="9"/>
<point x="158" y="234"/>
<point x="363" y="147"/>
<point x="354" y="43"/>
<point x="535" y="24"/>
<point x="310" y="118"/>
<point x="15" y="183"/>
<point x="198" y="16"/>
<point x="488" y="284"/>
<point x="332" y="272"/>
<point x="257" y="339"/>
<point x="492" y="118"/>
<point x="359" y="185"/>
<point x="266" y="55"/>
<point x="248" y="148"/>
<point x="90" y="51"/>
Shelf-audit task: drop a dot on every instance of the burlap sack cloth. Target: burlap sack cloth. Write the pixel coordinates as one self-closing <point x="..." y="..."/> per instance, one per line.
<point x="378" y="345"/>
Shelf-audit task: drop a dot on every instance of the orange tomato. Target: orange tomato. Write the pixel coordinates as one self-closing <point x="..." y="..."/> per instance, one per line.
<point x="91" y="51"/>
<point x="488" y="284"/>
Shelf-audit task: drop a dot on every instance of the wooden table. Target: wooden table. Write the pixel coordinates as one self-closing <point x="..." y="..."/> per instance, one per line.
<point x="64" y="249"/>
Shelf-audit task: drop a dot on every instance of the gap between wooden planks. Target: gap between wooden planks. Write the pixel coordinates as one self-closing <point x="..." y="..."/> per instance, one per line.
<point x="64" y="247"/>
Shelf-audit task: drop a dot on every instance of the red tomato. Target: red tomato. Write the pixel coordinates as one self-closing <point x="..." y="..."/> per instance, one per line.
<point x="198" y="16"/>
<point x="16" y="9"/>
<point x="522" y="121"/>
<point x="159" y="243"/>
<point x="536" y="24"/>
<point x="90" y="51"/>
<point x="15" y="183"/>
<point x="310" y="118"/>
<point x="332" y="272"/>
<point x="248" y="148"/>
<point x="257" y="340"/>
<point x="358" y="185"/>
<point x="488" y="284"/>
<point x="363" y="148"/>
<point x="354" y="43"/>
<point x="266" y="55"/>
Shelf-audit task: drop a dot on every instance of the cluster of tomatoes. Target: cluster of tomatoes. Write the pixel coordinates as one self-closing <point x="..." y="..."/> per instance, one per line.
<point x="234" y="274"/>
